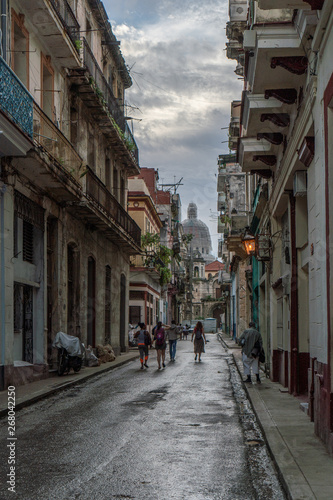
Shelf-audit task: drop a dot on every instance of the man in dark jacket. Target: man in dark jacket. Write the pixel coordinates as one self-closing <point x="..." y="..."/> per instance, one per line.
<point x="251" y="343"/>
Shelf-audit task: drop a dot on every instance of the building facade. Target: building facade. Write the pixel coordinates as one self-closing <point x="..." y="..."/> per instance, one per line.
<point x="66" y="154"/>
<point x="283" y="50"/>
<point x="145" y="296"/>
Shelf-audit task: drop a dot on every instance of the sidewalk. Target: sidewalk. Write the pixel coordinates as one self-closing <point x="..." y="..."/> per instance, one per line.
<point x="30" y="393"/>
<point x="304" y="465"/>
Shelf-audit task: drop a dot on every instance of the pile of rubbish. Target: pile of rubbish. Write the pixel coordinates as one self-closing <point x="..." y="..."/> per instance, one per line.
<point x="104" y="354"/>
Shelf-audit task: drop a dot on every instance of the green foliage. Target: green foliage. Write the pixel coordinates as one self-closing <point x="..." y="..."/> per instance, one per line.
<point x="161" y="258"/>
<point x="187" y="238"/>
<point x="165" y="275"/>
<point x="149" y="239"/>
<point x="225" y="219"/>
<point x="78" y="45"/>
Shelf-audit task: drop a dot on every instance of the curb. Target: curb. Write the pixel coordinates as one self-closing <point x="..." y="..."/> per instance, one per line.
<point x="65" y="385"/>
<point x="281" y="478"/>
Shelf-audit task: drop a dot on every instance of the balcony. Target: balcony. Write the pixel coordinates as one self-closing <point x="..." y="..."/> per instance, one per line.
<point x="16" y="118"/>
<point x="53" y="164"/>
<point x="101" y="211"/>
<point x="235" y="51"/>
<point x="256" y="155"/>
<point x="98" y="96"/>
<point x="277" y="59"/>
<point x="234" y="130"/>
<point x="221" y="202"/>
<point x="57" y="27"/>
<point x="261" y="114"/>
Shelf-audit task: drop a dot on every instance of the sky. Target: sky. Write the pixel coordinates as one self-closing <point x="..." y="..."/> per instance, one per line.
<point x="183" y="85"/>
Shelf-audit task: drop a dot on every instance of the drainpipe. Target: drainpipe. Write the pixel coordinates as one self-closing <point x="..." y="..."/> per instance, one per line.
<point x="293" y="302"/>
<point x="2" y="284"/>
<point x="4" y="29"/>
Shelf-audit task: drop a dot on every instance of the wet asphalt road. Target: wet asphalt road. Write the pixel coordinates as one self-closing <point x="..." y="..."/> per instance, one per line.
<point x="132" y="434"/>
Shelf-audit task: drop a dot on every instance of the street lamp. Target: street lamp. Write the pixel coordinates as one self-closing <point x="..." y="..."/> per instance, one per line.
<point x="249" y="242"/>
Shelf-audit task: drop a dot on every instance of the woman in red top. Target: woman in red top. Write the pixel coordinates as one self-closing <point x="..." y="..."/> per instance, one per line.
<point x="199" y="340"/>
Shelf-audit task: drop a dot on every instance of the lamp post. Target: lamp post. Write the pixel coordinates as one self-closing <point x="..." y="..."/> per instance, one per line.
<point x="249" y="242"/>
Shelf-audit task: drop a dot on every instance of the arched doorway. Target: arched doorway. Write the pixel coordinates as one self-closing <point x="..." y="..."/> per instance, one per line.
<point x="73" y="290"/>
<point x="122" y="328"/>
<point x="91" y="302"/>
<point x="216" y="312"/>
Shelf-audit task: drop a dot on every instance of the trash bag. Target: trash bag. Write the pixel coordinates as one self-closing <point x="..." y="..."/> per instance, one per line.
<point x="91" y="359"/>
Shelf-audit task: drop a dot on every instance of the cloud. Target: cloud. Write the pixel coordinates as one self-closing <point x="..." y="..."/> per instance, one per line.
<point x="183" y="85"/>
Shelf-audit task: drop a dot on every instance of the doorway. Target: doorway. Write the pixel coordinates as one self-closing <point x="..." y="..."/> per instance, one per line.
<point x="91" y="302"/>
<point x="122" y="313"/>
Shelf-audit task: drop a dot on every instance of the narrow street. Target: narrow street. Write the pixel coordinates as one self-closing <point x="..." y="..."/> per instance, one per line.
<point x="180" y="433"/>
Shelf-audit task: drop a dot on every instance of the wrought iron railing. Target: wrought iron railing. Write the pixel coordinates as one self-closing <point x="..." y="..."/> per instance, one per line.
<point x="68" y="19"/>
<point x="108" y="203"/>
<point x="15" y="100"/>
<point x="102" y="86"/>
<point x="53" y="141"/>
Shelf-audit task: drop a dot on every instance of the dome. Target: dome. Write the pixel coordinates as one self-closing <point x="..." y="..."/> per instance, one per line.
<point x="201" y="237"/>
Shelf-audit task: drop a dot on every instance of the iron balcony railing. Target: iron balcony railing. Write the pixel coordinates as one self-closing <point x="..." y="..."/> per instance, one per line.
<point x="102" y="86"/>
<point x="53" y="141"/>
<point x="68" y="20"/>
<point x="96" y="190"/>
<point x="15" y="100"/>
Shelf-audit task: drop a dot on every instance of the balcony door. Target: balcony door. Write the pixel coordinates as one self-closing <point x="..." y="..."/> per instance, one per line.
<point x="47" y="87"/>
<point x="20" y="48"/>
<point x="91" y="302"/>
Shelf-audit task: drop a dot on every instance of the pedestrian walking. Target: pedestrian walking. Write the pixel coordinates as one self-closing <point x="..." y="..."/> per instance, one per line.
<point x="144" y="341"/>
<point x="251" y="342"/>
<point x="172" y="333"/>
<point x="199" y="340"/>
<point x="160" y="344"/>
<point x="185" y="331"/>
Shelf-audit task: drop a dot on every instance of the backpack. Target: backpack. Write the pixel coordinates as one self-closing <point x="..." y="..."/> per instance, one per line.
<point x="198" y="334"/>
<point x="160" y="337"/>
<point x="147" y="338"/>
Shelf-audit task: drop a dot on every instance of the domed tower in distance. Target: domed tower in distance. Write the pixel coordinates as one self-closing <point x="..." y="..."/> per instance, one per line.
<point x="201" y="241"/>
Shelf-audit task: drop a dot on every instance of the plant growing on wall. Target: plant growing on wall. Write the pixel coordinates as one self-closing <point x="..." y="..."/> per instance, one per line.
<point x="161" y="257"/>
<point x="187" y="238"/>
<point x="78" y="45"/>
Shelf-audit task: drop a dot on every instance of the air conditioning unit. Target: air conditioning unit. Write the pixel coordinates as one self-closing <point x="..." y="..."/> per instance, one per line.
<point x="249" y="39"/>
<point x="300" y="183"/>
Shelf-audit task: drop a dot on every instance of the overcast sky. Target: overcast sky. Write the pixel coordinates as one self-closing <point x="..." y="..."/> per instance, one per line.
<point x="183" y="85"/>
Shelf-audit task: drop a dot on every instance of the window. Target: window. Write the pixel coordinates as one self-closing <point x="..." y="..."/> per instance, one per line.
<point x="134" y="315"/>
<point x="28" y="242"/>
<point x="89" y="34"/>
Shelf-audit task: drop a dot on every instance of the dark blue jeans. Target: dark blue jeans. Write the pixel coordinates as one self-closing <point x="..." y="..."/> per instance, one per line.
<point x="172" y="348"/>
